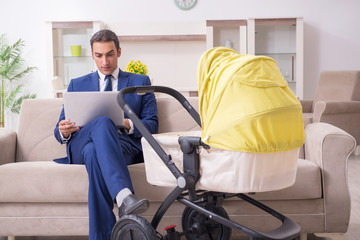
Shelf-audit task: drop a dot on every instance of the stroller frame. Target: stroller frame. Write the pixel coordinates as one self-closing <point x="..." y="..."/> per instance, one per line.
<point x="185" y="191"/>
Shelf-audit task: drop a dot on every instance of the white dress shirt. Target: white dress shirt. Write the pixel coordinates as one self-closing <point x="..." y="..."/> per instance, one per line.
<point x="114" y="80"/>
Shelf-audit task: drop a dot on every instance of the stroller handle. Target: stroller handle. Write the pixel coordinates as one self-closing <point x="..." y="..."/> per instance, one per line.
<point x="141" y="90"/>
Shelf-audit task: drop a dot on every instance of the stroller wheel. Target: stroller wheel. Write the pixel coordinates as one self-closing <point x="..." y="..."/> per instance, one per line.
<point x="200" y="227"/>
<point x="133" y="227"/>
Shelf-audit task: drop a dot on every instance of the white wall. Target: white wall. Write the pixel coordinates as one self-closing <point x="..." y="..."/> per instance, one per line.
<point x="332" y="38"/>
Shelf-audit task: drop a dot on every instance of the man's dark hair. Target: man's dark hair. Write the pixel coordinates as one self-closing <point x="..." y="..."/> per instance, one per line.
<point x="105" y="36"/>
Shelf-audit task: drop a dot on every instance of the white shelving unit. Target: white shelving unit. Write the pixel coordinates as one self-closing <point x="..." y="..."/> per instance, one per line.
<point x="229" y="33"/>
<point x="279" y="38"/>
<point x="62" y="36"/>
<point x="282" y="40"/>
<point x="172" y="50"/>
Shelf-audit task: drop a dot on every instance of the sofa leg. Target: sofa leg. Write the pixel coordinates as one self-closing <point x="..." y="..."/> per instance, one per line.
<point x="11" y="237"/>
<point x="303" y="236"/>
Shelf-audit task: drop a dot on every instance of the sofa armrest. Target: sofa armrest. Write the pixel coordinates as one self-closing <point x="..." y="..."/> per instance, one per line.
<point x="306" y="105"/>
<point x="7" y="145"/>
<point x="330" y="147"/>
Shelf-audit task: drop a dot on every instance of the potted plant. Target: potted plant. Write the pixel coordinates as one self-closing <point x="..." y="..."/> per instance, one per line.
<point x="12" y="71"/>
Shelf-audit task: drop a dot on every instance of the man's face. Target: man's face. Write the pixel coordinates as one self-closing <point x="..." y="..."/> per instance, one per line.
<point x="105" y="56"/>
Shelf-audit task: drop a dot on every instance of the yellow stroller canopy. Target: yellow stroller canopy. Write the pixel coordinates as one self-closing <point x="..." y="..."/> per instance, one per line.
<point x="246" y="105"/>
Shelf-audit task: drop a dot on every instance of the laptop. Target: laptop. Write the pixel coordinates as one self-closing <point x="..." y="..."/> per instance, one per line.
<point x="83" y="107"/>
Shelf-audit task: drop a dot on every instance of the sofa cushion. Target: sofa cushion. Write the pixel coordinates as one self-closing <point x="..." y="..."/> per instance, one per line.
<point x="35" y="138"/>
<point x="338" y="86"/>
<point x="52" y="182"/>
<point x="43" y="181"/>
<point x="36" y="141"/>
<point x="307" y="184"/>
<point x="173" y="117"/>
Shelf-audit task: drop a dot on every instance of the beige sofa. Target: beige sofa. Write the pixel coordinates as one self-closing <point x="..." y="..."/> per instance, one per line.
<point x="337" y="101"/>
<point x="41" y="198"/>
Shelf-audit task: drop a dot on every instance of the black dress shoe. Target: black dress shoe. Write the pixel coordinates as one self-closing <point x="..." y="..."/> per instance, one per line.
<point x="132" y="205"/>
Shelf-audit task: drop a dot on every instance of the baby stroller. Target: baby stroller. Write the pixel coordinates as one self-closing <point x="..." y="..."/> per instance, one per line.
<point x="266" y="164"/>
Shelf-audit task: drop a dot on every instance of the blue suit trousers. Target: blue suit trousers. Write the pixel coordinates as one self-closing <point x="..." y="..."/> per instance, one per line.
<point x="106" y="154"/>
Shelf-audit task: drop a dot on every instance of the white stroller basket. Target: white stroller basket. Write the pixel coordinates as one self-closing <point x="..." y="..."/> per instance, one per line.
<point x="223" y="170"/>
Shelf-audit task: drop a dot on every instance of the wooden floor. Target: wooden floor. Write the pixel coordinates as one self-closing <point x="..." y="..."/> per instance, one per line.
<point x="354" y="181"/>
<point x="353" y="232"/>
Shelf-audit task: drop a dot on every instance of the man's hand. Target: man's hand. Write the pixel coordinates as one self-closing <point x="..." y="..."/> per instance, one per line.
<point x="127" y="124"/>
<point x="66" y="128"/>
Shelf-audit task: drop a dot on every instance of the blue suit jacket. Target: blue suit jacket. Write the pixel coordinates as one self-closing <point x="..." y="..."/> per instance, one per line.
<point x="144" y="106"/>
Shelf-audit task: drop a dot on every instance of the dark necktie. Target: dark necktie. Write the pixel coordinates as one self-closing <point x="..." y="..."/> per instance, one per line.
<point x="108" y="86"/>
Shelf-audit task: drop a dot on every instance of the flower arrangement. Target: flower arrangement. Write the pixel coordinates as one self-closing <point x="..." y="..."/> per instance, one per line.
<point x="136" y="67"/>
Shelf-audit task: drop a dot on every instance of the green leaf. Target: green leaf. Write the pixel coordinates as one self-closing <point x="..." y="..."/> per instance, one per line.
<point x="15" y="108"/>
<point x="11" y="96"/>
<point x="12" y="73"/>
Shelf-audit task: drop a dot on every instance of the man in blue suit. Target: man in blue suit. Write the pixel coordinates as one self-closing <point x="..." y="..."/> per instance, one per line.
<point x="105" y="150"/>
